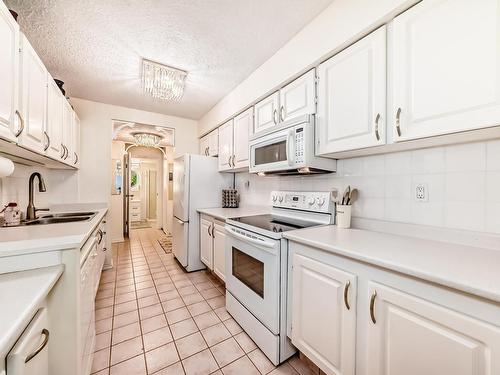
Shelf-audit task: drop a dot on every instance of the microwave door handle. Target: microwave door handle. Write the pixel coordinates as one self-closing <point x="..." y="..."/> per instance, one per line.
<point x="290" y="151"/>
<point x="260" y="243"/>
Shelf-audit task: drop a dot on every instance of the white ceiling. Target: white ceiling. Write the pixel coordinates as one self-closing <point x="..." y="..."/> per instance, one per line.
<point x="124" y="131"/>
<point x="96" y="46"/>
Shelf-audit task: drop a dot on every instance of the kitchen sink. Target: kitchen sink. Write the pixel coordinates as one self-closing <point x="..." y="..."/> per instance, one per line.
<point x="55" y="220"/>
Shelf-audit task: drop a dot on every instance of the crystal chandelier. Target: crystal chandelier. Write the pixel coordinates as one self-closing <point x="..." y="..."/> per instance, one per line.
<point x="161" y="81"/>
<point x="147" y="139"/>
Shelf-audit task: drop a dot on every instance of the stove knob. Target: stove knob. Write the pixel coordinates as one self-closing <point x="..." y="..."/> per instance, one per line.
<point x="321" y="201"/>
<point x="275" y="198"/>
<point x="310" y="201"/>
<point x="280" y="198"/>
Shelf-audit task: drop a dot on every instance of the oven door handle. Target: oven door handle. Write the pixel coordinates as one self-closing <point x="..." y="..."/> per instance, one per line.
<point x="259" y="242"/>
<point x="290" y="141"/>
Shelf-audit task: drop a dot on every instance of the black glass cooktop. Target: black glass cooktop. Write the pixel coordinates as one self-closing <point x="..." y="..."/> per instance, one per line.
<point x="273" y="223"/>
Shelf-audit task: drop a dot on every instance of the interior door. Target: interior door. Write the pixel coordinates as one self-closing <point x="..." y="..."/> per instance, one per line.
<point x="266" y="113"/>
<point x="445" y="68"/>
<point x="324" y="315"/>
<point x="152" y="196"/>
<point x="412" y="336"/>
<point x="126" y="194"/>
<point x="9" y="62"/>
<point x="34" y="99"/>
<point x="352" y="97"/>
<point x="298" y="97"/>
<point x="242" y="125"/>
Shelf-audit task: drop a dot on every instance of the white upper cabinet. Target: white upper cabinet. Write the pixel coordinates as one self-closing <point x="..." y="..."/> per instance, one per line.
<point x="226" y="146"/>
<point x="54" y="119"/>
<point x="324" y="315"/>
<point x="298" y="97"/>
<point x="9" y="65"/>
<point x="411" y="336"/>
<point x="295" y="99"/>
<point x="352" y="97"/>
<point x="445" y="68"/>
<point x="75" y="157"/>
<point x="242" y="127"/>
<point x="213" y="143"/>
<point x="67" y="132"/>
<point x="33" y="101"/>
<point x="204" y="145"/>
<point x="266" y="113"/>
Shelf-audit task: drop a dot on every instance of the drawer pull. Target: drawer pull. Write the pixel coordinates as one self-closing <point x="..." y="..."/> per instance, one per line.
<point x="377" y="135"/>
<point x="346" y="295"/>
<point x="45" y="333"/>
<point x="398" y="122"/>
<point x="372" y="307"/>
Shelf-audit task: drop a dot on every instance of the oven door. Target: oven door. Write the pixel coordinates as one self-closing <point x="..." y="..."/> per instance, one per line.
<point x="253" y="274"/>
<point x="273" y="152"/>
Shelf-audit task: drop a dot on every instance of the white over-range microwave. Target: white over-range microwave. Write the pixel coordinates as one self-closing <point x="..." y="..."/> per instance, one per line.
<point x="288" y="150"/>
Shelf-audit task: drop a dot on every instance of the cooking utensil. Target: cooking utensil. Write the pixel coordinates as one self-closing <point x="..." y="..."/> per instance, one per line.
<point x="346" y="194"/>
<point x="352" y="196"/>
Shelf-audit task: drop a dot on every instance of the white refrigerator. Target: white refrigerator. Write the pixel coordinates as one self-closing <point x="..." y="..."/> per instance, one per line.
<point x="197" y="184"/>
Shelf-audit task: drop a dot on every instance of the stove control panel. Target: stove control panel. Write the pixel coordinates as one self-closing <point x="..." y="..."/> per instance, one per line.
<point x="303" y="200"/>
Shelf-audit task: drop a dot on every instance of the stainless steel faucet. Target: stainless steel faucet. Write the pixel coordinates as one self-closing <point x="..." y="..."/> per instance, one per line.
<point x="31" y="210"/>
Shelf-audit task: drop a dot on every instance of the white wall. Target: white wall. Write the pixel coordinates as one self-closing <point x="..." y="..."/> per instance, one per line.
<point x="463" y="186"/>
<point x="338" y="26"/>
<point x="96" y="138"/>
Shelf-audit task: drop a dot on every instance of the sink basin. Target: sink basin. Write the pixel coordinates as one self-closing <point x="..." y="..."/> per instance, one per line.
<point x="55" y="220"/>
<point x="69" y="214"/>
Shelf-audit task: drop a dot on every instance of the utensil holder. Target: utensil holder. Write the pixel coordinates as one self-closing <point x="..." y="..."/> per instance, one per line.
<point x="343" y="213"/>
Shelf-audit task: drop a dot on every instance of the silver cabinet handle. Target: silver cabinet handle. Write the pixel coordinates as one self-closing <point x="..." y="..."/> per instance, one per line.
<point x="372" y="307"/>
<point x="45" y="333"/>
<point x="63" y="151"/>
<point x="213" y="229"/>
<point x="377" y="119"/>
<point x="398" y="121"/>
<point x="21" y="123"/>
<point x="76" y="158"/>
<point x="48" y="141"/>
<point x="66" y="153"/>
<point x="282" y="113"/>
<point x="275" y="117"/>
<point x="346" y="295"/>
<point x="208" y="229"/>
<point x="232" y="161"/>
<point x="229" y="161"/>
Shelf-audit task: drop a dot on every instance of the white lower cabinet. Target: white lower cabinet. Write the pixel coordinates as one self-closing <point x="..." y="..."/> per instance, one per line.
<point x="219" y="235"/>
<point x="412" y="336"/>
<point x="395" y="324"/>
<point x="213" y="245"/>
<point x="324" y="314"/>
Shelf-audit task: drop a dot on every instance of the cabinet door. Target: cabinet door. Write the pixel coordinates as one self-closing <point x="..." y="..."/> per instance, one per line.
<point x="213" y="143"/>
<point x="220" y="251"/>
<point x="9" y="61"/>
<point x="298" y="97"/>
<point x="242" y="126"/>
<point x="33" y="99"/>
<point x="266" y="113"/>
<point x="206" y="243"/>
<point x="67" y="131"/>
<point x="445" y="68"/>
<point x="204" y="145"/>
<point x="323" y="320"/>
<point x="352" y="97"/>
<point x="226" y="146"/>
<point x="75" y="157"/>
<point x="54" y="119"/>
<point x="412" y="336"/>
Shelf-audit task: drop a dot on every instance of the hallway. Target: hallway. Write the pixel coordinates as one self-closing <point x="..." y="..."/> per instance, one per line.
<point x="153" y="318"/>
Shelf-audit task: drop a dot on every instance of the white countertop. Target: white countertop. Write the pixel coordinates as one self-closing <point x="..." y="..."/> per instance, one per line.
<point x="474" y="270"/>
<point x="42" y="238"/>
<point x="226" y="213"/>
<point x="20" y="296"/>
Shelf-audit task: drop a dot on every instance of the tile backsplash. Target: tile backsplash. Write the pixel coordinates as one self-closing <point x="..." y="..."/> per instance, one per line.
<point x="62" y="187"/>
<point x="462" y="181"/>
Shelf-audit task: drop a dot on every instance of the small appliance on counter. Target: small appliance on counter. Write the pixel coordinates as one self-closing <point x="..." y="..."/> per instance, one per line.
<point x="230" y="198"/>
<point x="11" y="215"/>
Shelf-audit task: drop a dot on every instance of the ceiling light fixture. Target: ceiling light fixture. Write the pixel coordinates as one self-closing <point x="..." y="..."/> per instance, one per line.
<point x="147" y="139"/>
<point x="161" y="81"/>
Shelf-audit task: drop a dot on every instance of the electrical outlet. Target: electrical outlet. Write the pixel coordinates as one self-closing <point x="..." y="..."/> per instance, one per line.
<point x="421" y="193"/>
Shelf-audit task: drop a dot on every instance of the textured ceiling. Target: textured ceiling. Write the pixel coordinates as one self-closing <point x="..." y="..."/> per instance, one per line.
<point x="96" y="46"/>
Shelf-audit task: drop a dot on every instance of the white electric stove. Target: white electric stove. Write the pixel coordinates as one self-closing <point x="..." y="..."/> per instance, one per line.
<point x="257" y="263"/>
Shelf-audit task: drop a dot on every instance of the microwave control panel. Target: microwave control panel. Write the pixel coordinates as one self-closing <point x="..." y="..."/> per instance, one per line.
<point x="299" y="145"/>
